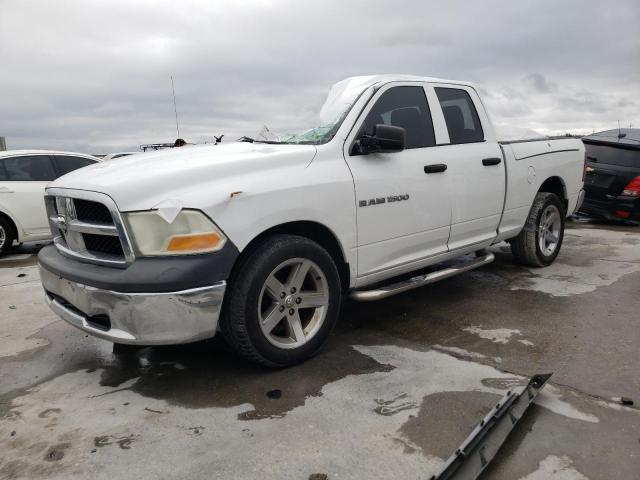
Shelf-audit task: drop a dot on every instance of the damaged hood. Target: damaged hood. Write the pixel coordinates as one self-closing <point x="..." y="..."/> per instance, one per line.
<point x="141" y="182"/>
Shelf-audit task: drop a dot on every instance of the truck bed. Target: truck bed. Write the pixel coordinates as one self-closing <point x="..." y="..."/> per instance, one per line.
<point x="531" y="162"/>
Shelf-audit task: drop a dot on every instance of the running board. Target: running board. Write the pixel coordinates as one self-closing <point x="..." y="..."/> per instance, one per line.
<point x="475" y="453"/>
<point x="393" y="289"/>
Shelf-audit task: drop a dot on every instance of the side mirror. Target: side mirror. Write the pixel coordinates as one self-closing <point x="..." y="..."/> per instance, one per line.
<point x="385" y="139"/>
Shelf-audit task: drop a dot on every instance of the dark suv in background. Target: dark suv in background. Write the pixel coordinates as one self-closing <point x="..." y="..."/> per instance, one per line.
<point x="612" y="175"/>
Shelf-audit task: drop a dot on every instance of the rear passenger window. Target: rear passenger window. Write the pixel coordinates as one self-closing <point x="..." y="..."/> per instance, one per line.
<point x="461" y="116"/>
<point x="29" y="168"/>
<point x="404" y="107"/>
<point x="68" y="163"/>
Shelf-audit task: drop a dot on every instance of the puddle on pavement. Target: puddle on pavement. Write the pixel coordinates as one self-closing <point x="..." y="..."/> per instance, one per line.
<point x="435" y="313"/>
<point x="205" y="375"/>
<point x="201" y="375"/>
<point x="539" y="434"/>
<point x="452" y="414"/>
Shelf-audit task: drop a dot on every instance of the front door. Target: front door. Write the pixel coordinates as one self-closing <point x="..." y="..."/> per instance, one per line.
<point x="22" y="191"/>
<point x="403" y="213"/>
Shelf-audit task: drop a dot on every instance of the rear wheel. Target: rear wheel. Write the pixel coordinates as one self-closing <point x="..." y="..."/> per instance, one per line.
<point x="282" y="302"/>
<point x="7" y="235"/>
<point x="539" y="242"/>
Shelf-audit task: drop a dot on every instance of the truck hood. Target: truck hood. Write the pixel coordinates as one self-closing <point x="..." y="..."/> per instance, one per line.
<point x="140" y="182"/>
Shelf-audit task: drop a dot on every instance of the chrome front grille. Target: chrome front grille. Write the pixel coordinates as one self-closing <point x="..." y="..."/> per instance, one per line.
<point x="87" y="226"/>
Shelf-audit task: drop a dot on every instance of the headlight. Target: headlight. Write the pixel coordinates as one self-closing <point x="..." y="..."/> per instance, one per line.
<point x="190" y="232"/>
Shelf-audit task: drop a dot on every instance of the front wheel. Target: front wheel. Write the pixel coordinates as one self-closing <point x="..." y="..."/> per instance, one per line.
<point x="539" y="242"/>
<point x="282" y="302"/>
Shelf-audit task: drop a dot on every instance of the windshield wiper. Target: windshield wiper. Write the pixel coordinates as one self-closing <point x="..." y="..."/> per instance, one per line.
<point x="253" y="140"/>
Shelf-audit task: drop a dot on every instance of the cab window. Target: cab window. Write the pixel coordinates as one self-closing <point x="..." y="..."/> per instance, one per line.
<point x="28" y="168"/>
<point x="460" y="115"/>
<point x="404" y="107"/>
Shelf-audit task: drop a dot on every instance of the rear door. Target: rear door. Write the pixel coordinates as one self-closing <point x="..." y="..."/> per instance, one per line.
<point x="476" y="177"/>
<point x="403" y="215"/>
<point x="22" y="193"/>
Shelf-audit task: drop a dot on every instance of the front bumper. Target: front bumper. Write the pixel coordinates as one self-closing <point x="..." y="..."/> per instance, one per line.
<point x="158" y="318"/>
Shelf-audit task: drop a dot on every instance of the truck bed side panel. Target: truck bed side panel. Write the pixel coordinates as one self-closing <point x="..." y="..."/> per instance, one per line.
<point x="529" y="164"/>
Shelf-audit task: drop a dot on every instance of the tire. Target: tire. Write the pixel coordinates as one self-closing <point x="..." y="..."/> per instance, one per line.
<point x="7" y="235"/>
<point x="276" y="315"/>
<point x="539" y="242"/>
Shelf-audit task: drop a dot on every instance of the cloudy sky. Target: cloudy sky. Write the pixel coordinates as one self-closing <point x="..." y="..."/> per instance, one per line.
<point x="94" y="75"/>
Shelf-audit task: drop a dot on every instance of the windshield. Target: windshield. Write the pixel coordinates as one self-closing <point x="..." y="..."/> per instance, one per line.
<point x="341" y="98"/>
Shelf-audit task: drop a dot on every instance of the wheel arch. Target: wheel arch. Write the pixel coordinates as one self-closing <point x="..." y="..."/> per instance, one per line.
<point x="13" y="224"/>
<point x="556" y="185"/>
<point x="315" y="231"/>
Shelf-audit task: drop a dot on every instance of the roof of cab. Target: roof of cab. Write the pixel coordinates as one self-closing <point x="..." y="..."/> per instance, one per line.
<point x="390" y="77"/>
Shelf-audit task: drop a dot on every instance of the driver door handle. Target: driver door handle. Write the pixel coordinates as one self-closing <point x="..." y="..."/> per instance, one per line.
<point x="5" y="190"/>
<point x="435" y="168"/>
<point x="491" y="161"/>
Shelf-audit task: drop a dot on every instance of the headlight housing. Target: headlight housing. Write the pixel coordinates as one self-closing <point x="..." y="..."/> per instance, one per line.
<point x="191" y="232"/>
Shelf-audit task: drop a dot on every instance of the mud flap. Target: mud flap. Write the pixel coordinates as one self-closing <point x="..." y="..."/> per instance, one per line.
<point x="475" y="453"/>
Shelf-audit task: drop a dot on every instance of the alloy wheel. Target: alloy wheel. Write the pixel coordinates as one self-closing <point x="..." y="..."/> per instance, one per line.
<point x="549" y="230"/>
<point x="293" y="303"/>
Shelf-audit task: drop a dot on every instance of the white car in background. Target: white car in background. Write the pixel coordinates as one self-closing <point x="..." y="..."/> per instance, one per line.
<point x="23" y="176"/>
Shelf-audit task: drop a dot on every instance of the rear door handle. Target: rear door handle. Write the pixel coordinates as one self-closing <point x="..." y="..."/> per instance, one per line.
<point x="435" y="168"/>
<point x="5" y="190"/>
<point x="491" y="161"/>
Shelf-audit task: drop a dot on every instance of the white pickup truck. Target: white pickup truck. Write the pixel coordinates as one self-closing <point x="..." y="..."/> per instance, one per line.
<point x="261" y="240"/>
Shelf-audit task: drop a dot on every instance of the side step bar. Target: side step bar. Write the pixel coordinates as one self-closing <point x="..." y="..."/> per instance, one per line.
<point x="393" y="289"/>
<point x="475" y="453"/>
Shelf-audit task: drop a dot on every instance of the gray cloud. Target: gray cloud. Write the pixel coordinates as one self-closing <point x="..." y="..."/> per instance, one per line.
<point x="94" y="76"/>
<point x="539" y="83"/>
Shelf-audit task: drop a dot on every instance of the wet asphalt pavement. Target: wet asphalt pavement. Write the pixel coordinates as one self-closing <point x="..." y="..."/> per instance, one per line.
<point x="401" y="383"/>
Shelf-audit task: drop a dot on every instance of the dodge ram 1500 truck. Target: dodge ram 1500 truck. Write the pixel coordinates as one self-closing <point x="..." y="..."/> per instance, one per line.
<point x="261" y="240"/>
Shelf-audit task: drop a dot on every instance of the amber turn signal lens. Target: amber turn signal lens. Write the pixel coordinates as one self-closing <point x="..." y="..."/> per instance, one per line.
<point x="194" y="243"/>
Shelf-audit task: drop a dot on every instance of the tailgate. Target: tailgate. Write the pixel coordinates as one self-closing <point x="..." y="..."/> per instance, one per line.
<point x="600" y="182"/>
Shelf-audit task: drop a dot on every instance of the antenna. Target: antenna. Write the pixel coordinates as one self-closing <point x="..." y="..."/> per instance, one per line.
<point x="175" y="109"/>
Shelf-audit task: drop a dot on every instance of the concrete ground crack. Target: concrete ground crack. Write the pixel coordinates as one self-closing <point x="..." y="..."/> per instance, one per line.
<point x="110" y="392"/>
